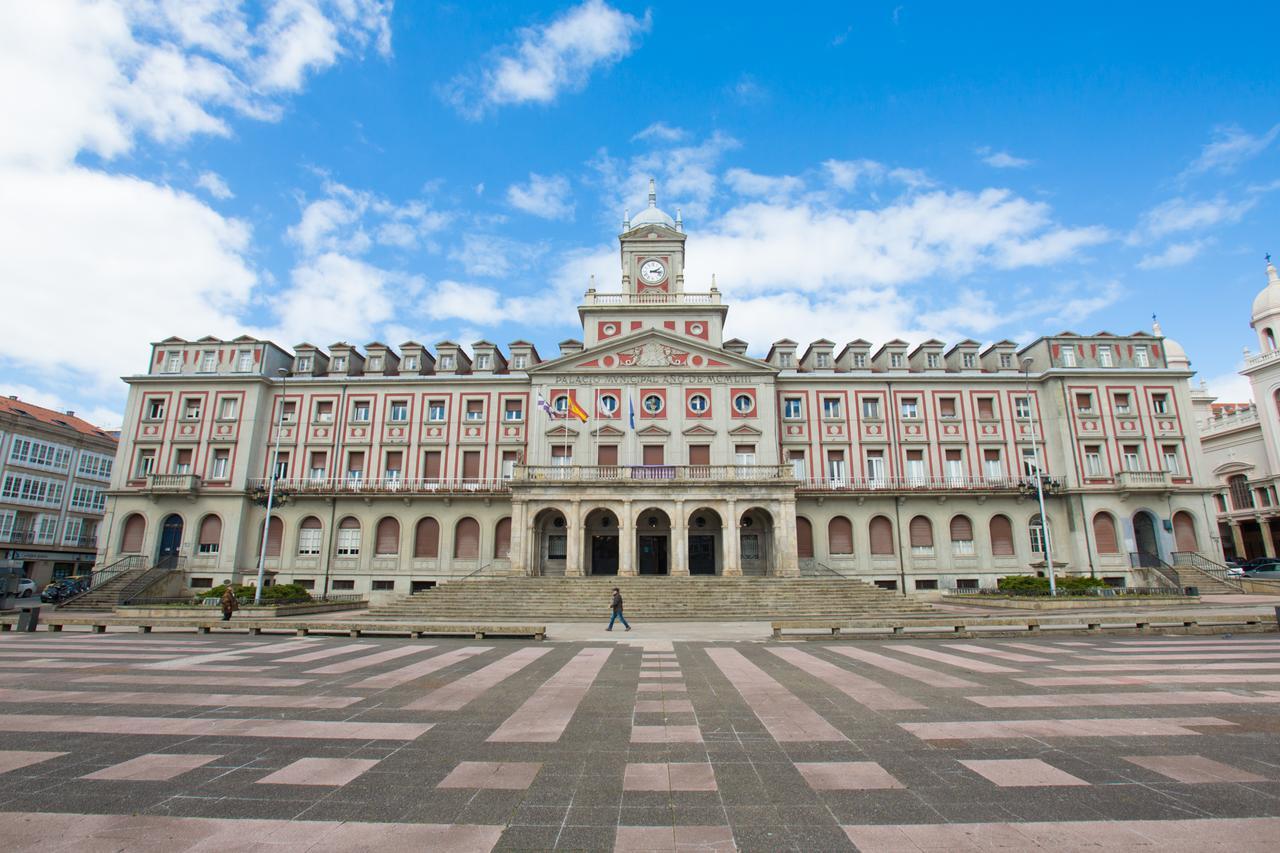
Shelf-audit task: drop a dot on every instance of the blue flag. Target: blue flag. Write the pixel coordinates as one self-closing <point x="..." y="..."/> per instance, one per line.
<point x="631" y="405"/>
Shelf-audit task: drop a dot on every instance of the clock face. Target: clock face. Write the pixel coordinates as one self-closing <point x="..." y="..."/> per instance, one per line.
<point x="653" y="271"/>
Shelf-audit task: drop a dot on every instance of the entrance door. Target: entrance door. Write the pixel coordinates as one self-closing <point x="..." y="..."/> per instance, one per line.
<point x="170" y="541"/>
<point x="702" y="554"/>
<point x="604" y="555"/>
<point x="653" y="555"/>
<point x="1144" y="534"/>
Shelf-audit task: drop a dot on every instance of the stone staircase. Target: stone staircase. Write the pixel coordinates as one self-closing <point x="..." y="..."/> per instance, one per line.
<point x="111" y="584"/>
<point x="1199" y="571"/>
<point x="712" y="599"/>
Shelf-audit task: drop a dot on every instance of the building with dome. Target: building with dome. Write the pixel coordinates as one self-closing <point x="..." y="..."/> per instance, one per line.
<point x="1241" y="441"/>
<point x="655" y="446"/>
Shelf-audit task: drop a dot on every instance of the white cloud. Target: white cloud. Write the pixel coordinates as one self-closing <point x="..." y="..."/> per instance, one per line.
<point x="94" y="76"/>
<point x="472" y="303"/>
<point x="559" y="56"/>
<point x="488" y="256"/>
<point x="747" y="90"/>
<point x="748" y="183"/>
<point x="1230" y="387"/>
<point x="100" y="416"/>
<point x="353" y="221"/>
<point x="214" y="185"/>
<point x="660" y="131"/>
<point x="1181" y="214"/>
<point x="686" y="176"/>
<point x="333" y="297"/>
<point x="546" y="197"/>
<point x="849" y="175"/>
<point x="1001" y="159"/>
<point x="1231" y="147"/>
<point x="1173" y="255"/>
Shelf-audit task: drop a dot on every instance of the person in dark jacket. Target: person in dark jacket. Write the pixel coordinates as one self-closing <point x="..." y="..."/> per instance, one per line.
<point x="617" y="611"/>
<point x="229" y="604"/>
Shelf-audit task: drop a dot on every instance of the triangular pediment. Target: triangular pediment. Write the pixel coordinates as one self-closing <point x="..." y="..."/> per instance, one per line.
<point x="700" y="430"/>
<point x="607" y="431"/>
<point x="650" y="350"/>
<point x="654" y="431"/>
<point x="561" y="431"/>
<point x="745" y="430"/>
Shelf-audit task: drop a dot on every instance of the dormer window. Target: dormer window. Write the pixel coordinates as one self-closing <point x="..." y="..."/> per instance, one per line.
<point x="244" y="361"/>
<point x="1068" y="356"/>
<point x="933" y="361"/>
<point x="969" y="361"/>
<point x="208" y="362"/>
<point x="446" y="362"/>
<point x="1104" y="356"/>
<point x="303" y="364"/>
<point x="895" y="359"/>
<point x="1140" y="357"/>
<point x="1006" y="360"/>
<point x="173" y="363"/>
<point x="519" y="362"/>
<point x="823" y="360"/>
<point x="375" y="362"/>
<point x="410" y="362"/>
<point x="483" y="361"/>
<point x="339" y="363"/>
<point x="860" y="360"/>
<point x="784" y="359"/>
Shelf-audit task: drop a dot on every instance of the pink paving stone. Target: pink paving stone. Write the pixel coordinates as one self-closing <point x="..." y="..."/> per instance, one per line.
<point x="498" y="775"/>
<point x="213" y="727"/>
<point x="1001" y="654"/>
<point x="334" y="652"/>
<point x="781" y="712"/>
<point x="677" y="839"/>
<point x="666" y="734"/>
<point x="195" y="680"/>
<point x="1116" y="727"/>
<point x="12" y="759"/>
<point x="1205" y="656"/>
<point x="1021" y="773"/>
<point x="1125" y="699"/>
<point x="472" y="686"/>
<point x="319" y="771"/>
<point x="544" y="716"/>
<point x="646" y="777"/>
<point x="674" y="675"/>
<point x="1143" y="680"/>
<point x="901" y="668"/>
<point x="1193" y="769"/>
<point x="669" y="706"/>
<point x="153" y="767"/>
<point x="861" y="690"/>
<point x="414" y="671"/>
<point x="1170" y="667"/>
<point x="661" y="688"/>
<point x="365" y="661"/>
<point x="137" y="697"/>
<point x="846" y="776"/>
<point x="956" y="660"/>
<point x="692" y="777"/>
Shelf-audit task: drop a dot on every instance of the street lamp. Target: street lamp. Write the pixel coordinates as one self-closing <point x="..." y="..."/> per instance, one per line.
<point x="1035" y="455"/>
<point x="271" y="489"/>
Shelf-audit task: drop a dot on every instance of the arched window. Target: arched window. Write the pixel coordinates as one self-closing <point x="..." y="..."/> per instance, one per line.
<point x="1184" y="532"/>
<point x="275" y="533"/>
<point x="349" y="537"/>
<point x="135" y="529"/>
<point x="1104" y="534"/>
<point x="1241" y="497"/>
<point x="310" y="534"/>
<point x="962" y="536"/>
<point x="210" y="535"/>
<point x="1271" y="339"/>
<point x="1036" y="533"/>
<point x="387" y="541"/>
<point x="466" y="539"/>
<point x="502" y="539"/>
<point x="921" y="532"/>
<point x="840" y="536"/>
<point x="804" y="538"/>
<point x="1001" y="536"/>
<point x="426" y="539"/>
<point x="881" y="536"/>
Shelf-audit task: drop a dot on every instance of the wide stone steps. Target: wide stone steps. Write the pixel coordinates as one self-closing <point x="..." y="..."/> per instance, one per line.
<point x="1206" y="583"/>
<point x="105" y="596"/>
<point x="713" y="598"/>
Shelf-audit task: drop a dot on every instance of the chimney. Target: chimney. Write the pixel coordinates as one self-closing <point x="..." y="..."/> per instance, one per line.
<point x="71" y="413"/>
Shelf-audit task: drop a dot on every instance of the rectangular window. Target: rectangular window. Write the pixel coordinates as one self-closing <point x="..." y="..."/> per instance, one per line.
<point x="399" y="411"/>
<point x="201" y="583"/>
<point x="986" y="408"/>
<point x="446" y="362"/>
<point x="859" y="360"/>
<point x="1022" y="408"/>
<point x="831" y="407"/>
<point x="483" y="361"/>
<point x="303" y="364"/>
<point x="744" y="455"/>
<point x="319" y="465"/>
<point x="244" y="361"/>
<point x="1084" y="403"/>
<point x="871" y="408"/>
<point x="652" y="454"/>
<point x="1141" y="357"/>
<point x="1030" y="461"/>
<point x="784" y="359"/>
<point x="431" y="464"/>
<point x="1160" y="404"/>
<point x="435" y="411"/>
<point x="282" y="466"/>
<point x="355" y="465"/>
<point x="383" y="586"/>
<point x="511" y="457"/>
<point x="173" y="363"/>
<point x="1069" y="356"/>
<point x="348" y="544"/>
<point x="209" y="362"/>
<point x="324" y="411"/>
<point x="520" y="362"/>
<point x="375" y="363"/>
<point x="475" y="410"/>
<point x="1171" y="459"/>
<point x="513" y="410"/>
<point x="221" y="463"/>
<point x="471" y="465"/>
<point x="155" y="409"/>
<point x="1093" y="461"/>
<point x="947" y="407"/>
<point x="969" y="361"/>
<point x="1132" y="457"/>
<point x="822" y="360"/>
<point x="191" y="409"/>
<point x="1104" y="356"/>
<point x="343" y="585"/>
<point x="1123" y="406"/>
<point x="410" y="363"/>
<point x="836" y="472"/>
<point x="895" y="359"/>
<point x="393" y="467"/>
<point x="562" y="455"/>
<point x="1006" y="360"/>
<point x="799" y="469"/>
<point x="182" y="462"/>
<point x="557" y="545"/>
<point x="915" y="467"/>
<point x="933" y="361"/>
<point x="992" y="464"/>
<point x="791" y="408"/>
<point x="227" y="407"/>
<point x="339" y="364"/>
<point x="954" y="467"/>
<point x="875" y="467"/>
<point x="750" y="546"/>
<point x="360" y="412"/>
<point x="909" y="407"/>
<point x="289" y="412"/>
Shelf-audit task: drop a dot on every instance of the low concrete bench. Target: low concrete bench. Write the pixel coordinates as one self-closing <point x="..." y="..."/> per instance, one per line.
<point x="980" y="626"/>
<point x="99" y="625"/>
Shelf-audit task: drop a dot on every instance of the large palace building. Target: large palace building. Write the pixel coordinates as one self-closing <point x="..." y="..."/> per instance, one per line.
<point x="655" y="447"/>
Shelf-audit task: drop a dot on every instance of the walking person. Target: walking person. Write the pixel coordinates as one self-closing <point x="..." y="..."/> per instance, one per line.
<point x="229" y="604"/>
<point x="617" y="611"/>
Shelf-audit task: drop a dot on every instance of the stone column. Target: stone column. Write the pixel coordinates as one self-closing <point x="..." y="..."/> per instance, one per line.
<point x="785" y="538"/>
<point x="679" y="542"/>
<point x="1238" y="539"/>
<point x="573" y="546"/>
<point x="627" y="541"/>
<point x="1268" y="539"/>
<point x="519" y="539"/>
<point x="732" y="535"/>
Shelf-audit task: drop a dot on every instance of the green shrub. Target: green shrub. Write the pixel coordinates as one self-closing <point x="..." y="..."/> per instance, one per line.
<point x="274" y="594"/>
<point x="1033" y="584"/>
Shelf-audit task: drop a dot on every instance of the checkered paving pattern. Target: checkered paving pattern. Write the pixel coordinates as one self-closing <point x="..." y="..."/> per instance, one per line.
<point x="177" y="742"/>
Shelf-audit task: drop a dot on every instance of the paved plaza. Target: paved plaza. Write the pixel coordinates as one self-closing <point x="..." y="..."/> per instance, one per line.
<point x="229" y="742"/>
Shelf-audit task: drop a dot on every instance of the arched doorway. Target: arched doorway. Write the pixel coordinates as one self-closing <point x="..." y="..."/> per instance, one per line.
<point x="1144" y="536"/>
<point x="705" y="542"/>
<point x="653" y="541"/>
<point x="1184" y="532"/>
<point x="755" y="542"/>
<point x="551" y="539"/>
<point x="600" y="535"/>
<point x="170" y="541"/>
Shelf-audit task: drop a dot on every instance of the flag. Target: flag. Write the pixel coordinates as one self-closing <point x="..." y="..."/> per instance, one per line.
<point x="631" y="405"/>
<point x="545" y="406"/>
<point x="576" y="410"/>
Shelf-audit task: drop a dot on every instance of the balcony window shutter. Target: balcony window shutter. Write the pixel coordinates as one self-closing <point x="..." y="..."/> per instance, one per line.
<point x="607" y="454"/>
<point x="393" y="461"/>
<point x="387" y="542"/>
<point x="881" y="536"/>
<point x="1104" y="534"/>
<point x="947" y="407"/>
<point x="961" y="529"/>
<point x="986" y="408"/>
<point x="502" y="539"/>
<point x="471" y="465"/>
<point x="1184" y="532"/>
<point x="1001" y="536"/>
<point x="699" y="454"/>
<point x="432" y="467"/>
<point x="653" y="454"/>
<point x="426" y="539"/>
<point x="134" y="530"/>
<point x="921" y="531"/>
<point x="275" y="533"/>
<point x="466" y="540"/>
<point x="804" y="538"/>
<point x="210" y="530"/>
<point x="840" y="536"/>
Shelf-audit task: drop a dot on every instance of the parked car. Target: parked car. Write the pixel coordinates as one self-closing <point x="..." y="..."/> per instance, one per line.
<point x="1266" y="571"/>
<point x="26" y="588"/>
<point x="1260" y="563"/>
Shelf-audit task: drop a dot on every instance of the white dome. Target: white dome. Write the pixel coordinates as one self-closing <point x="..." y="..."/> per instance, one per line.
<point x="652" y="215"/>
<point x="1174" y="354"/>
<point x="1268" y="301"/>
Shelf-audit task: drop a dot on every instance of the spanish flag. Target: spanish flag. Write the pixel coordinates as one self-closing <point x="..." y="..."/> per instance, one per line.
<point x="576" y="410"/>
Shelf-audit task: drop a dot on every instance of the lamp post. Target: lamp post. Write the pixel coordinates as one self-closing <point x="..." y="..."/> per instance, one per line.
<point x="271" y="489"/>
<point x="1035" y="455"/>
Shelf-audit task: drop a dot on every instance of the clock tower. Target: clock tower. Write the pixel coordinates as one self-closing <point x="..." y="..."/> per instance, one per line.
<point x="653" y="294"/>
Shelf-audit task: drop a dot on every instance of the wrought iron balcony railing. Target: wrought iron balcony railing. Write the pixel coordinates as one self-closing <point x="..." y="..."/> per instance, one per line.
<point x="908" y="484"/>
<point x="377" y="486"/>
<point x="651" y="473"/>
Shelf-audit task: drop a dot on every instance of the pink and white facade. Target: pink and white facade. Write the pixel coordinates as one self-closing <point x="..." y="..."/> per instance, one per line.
<point x="903" y="465"/>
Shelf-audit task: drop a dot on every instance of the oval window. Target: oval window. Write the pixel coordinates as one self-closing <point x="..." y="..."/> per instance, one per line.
<point x="610" y="329"/>
<point x="699" y="403"/>
<point x="743" y="403"/>
<point x="561" y="404"/>
<point x="653" y="403"/>
<point x="608" y="404"/>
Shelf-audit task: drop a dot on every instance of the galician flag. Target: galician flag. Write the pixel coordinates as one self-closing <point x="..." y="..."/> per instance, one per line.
<point x="545" y="406"/>
<point x="576" y="410"/>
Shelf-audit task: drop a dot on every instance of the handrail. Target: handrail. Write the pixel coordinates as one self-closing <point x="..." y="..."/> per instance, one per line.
<point x="1204" y="565"/>
<point x="378" y="485"/>
<point x="1146" y="560"/>
<point x="835" y="572"/>
<point x="133" y="589"/>
<point x="476" y="572"/>
<point x="109" y="573"/>
<point x="647" y="473"/>
<point x="884" y="484"/>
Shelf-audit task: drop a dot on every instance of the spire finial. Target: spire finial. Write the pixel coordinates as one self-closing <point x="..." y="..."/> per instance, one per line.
<point x="679" y="221"/>
<point x="1155" y="326"/>
<point x="653" y="193"/>
<point x="713" y="281"/>
<point x="1272" y="276"/>
<point x="626" y="219"/>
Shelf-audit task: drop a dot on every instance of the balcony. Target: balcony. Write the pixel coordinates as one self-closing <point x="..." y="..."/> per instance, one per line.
<point x="1143" y="481"/>
<point x="323" y="487"/>
<point x="622" y="475"/>
<point x="652" y="297"/>
<point x="915" y="484"/>
<point x="33" y="536"/>
<point x="173" y="484"/>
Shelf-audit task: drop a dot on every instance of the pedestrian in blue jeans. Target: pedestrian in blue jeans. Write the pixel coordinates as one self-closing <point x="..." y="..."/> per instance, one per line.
<point x="617" y="611"/>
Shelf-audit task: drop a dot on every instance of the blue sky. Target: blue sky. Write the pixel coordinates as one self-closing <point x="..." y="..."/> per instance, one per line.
<point x="329" y="170"/>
